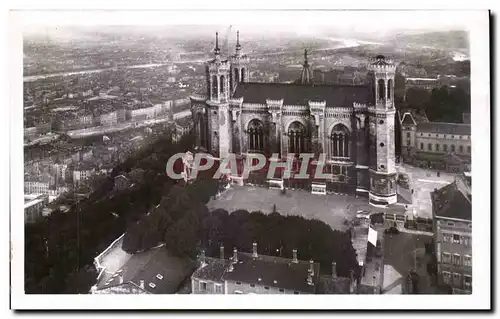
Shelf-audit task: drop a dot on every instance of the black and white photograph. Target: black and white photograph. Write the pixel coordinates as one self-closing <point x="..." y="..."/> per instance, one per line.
<point x="186" y="157"/>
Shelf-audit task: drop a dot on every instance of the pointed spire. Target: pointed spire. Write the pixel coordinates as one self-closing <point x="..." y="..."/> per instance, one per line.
<point x="306" y="76"/>
<point x="238" y="46"/>
<point x="216" y="50"/>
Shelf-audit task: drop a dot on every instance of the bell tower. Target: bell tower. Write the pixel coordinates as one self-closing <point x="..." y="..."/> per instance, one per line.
<point x="218" y="96"/>
<point x="382" y="157"/>
<point x="239" y="66"/>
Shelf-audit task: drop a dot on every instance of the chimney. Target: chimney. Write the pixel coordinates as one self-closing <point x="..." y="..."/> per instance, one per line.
<point x="334" y="270"/>
<point x="235" y="255"/>
<point x="121" y="278"/>
<point x="254" y="254"/>
<point x="221" y="252"/>
<point x="141" y="284"/>
<point x="202" y="258"/>
<point x="295" y="259"/>
<point x="311" y="267"/>
<point x="309" y="278"/>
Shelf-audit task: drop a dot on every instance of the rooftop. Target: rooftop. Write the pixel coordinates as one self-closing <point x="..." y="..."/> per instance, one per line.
<point x="213" y="269"/>
<point x="452" y="202"/>
<point x="444" y="128"/>
<point x="331" y="285"/>
<point x="298" y="94"/>
<point x="273" y="272"/>
<point x="161" y="272"/>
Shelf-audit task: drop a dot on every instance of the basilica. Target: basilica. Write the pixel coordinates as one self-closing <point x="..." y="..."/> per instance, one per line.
<point x="353" y="125"/>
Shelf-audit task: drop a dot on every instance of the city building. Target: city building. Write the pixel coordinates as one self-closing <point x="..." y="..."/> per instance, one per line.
<point x="246" y="273"/>
<point x="452" y="218"/>
<point x="33" y="207"/>
<point x="353" y="125"/>
<point x="422" y="83"/>
<point x="445" y="146"/>
<point x="154" y="271"/>
<point x="36" y="187"/>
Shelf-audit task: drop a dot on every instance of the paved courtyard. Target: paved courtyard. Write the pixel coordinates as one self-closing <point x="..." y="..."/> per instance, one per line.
<point x="423" y="182"/>
<point x="332" y="209"/>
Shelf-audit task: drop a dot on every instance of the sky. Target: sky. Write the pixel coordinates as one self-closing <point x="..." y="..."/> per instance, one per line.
<point x="254" y="23"/>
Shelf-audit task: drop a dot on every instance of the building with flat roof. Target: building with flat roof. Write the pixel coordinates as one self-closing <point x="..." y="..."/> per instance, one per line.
<point x="445" y="146"/>
<point x="452" y="218"/>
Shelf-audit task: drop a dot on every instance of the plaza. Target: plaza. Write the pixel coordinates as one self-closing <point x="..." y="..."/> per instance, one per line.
<point x="331" y="208"/>
<point x="423" y="182"/>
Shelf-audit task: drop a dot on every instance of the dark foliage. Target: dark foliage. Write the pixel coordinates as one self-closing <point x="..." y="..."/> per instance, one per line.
<point x="59" y="246"/>
<point x="440" y="105"/>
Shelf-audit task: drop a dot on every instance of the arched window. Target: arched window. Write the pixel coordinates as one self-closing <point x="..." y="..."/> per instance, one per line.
<point x="222" y="84"/>
<point x="339" y="141"/>
<point x="215" y="87"/>
<point x="389" y="89"/>
<point x="445" y="147"/>
<point x="243" y="74"/>
<point x="297" y="137"/>
<point x="381" y="90"/>
<point x="452" y="148"/>
<point x="236" y="76"/>
<point x="437" y="147"/>
<point x="255" y="133"/>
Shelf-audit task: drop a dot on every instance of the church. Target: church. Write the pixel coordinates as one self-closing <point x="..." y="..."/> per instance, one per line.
<point x="352" y="125"/>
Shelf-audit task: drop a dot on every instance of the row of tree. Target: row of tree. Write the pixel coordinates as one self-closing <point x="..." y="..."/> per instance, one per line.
<point x="440" y="105"/>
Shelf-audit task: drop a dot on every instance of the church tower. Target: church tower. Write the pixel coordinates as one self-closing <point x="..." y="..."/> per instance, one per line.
<point x="218" y="96"/>
<point x="382" y="157"/>
<point x="239" y="66"/>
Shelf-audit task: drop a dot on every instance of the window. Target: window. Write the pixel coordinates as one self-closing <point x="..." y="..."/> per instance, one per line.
<point x="467" y="261"/>
<point x="446" y="238"/>
<point x="446" y="258"/>
<point x="453" y="148"/>
<point x="456" y="239"/>
<point x="467" y="281"/>
<point x="266" y="288"/>
<point x="152" y="285"/>
<point x="456" y="259"/>
<point x="451" y="224"/>
<point x="252" y="285"/>
<point x="381" y="122"/>
<point x="282" y="290"/>
<point x="468" y="149"/>
<point x="421" y="134"/>
<point x="381" y="144"/>
<point x="461" y="149"/>
<point x="429" y="147"/>
<point x="453" y="136"/>
<point x="218" y="289"/>
<point x="446" y="277"/>
<point x="295" y="292"/>
<point x="445" y="148"/>
<point x="437" y="147"/>
<point x="408" y="134"/>
<point x="421" y="146"/>
<point x="457" y="280"/>
<point x="203" y="286"/>
<point x="159" y="276"/>
<point x="238" y="283"/>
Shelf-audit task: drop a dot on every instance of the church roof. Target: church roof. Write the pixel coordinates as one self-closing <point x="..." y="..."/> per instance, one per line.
<point x="298" y="94"/>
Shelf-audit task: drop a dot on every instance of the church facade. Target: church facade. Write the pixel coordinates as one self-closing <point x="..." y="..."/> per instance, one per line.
<point x="353" y="125"/>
